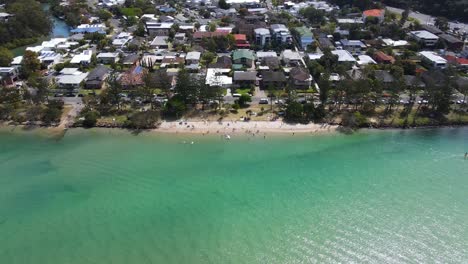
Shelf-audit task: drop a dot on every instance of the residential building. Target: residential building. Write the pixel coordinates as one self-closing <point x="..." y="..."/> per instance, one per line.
<point x="355" y="47"/>
<point x="218" y="77"/>
<point x="377" y="13"/>
<point x="281" y="33"/>
<point x="383" y="58"/>
<point x="325" y="43"/>
<point x="97" y="77"/>
<point x="158" y="28"/>
<point x="424" y="37"/>
<point x="300" y="78"/>
<point x="432" y="60"/>
<point x="107" y="57"/>
<point x="433" y="29"/>
<point x="122" y="39"/>
<point x="290" y="57"/>
<point x="50" y="58"/>
<point x="262" y="36"/>
<point x="243" y="57"/>
<point x="384" y="77"/>
<point x="8" y="75"/>
<point x="305" y="37"/>
<point x="275" y="79"/>
<point x="70" y="79"/>
<point x="130" y="59"/>
<point x="192" y="57"/>
<point x="223" y="62"/>
<point x="180" y="38"/>
<point x="344" y="56"/>
<point x="84" y="58"/>
<point x="451" y="42"/>
<point x="132" y="78"/>
<point x="4" y="17"/>
<point x="89" y="28"/>
<point x="365" y="60"/>
<point x="245" y="79"/>
<point x="241" y="41"/>
<point x="160" y="42"/>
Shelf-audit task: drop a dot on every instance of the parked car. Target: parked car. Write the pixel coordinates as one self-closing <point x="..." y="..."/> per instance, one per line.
<point x="264" y="101"/>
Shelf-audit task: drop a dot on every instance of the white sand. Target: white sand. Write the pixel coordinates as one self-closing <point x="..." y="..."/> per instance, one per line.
<point x="235" y="127"/>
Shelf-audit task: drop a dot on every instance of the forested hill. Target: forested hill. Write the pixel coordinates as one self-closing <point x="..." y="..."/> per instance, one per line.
<point x="28" y="21"/>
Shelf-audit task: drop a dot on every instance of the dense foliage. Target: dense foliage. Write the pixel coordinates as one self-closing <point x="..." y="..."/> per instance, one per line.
<point x="28" y="21"/>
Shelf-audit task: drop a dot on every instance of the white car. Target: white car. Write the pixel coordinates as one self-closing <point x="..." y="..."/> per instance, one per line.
<point x="264" y="101"/>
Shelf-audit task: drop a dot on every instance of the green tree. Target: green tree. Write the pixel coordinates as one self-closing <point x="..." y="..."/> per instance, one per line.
<point x="30" y="63"/>
<point x="5" y="57"/>
<point x="186" y="87"/>
<point x="442" y="23"/>
<point x="223" y="5"/>
<point x="244" y="99"/>
<point x="90" y="118"/>
<point x="294" y="112"/>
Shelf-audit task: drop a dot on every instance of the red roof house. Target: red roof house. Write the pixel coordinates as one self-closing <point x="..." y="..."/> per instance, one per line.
<point x="241" y="41"/>
<point x="378" y="13"/>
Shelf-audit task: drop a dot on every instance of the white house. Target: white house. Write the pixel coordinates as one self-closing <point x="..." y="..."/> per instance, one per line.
<point x="218" y="77"/>
<point x="107" y="57"/>
<point x="291" y="57"/>
<point x="122" y="39"/>
<point x="193" y="57"/>
<point x="424" y="37"/>
<point x="433" y="60"/>
<point x="49" y="58"/>
<point x="84" y="58"/>
<point x="70" y="78"/>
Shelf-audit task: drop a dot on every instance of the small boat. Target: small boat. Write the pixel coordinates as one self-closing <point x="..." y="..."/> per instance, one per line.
<point x="228" y="137"/>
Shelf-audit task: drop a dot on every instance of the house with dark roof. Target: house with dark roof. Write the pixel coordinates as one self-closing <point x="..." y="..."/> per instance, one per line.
<point x="300" y="78"/>
<point x="276" y="79"/>
<point x="413" y="81"/>
<point x="451" y="42"/>
<point x="130" y="59"/>
<point x="384" y="77"/>
<point x="325" y="43"/>
<point x="223" y="62"/>
<point x="245" y="79"/>
<point x="97" y="77"/>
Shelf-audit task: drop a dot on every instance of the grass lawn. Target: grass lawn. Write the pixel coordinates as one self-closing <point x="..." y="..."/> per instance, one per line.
<point x="243" y="91"/>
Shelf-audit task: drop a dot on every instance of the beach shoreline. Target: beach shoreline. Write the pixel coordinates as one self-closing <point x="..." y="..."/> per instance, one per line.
<point x="240" y="127"/>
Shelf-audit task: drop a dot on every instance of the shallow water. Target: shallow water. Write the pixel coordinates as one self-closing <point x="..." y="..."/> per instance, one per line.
<point x="107" y="196"/>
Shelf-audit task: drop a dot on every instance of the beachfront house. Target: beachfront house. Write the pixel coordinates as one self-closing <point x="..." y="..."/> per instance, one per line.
<point x="70" y="79"/>
<point x="300" y="78"/>
<point x="275" y="79"/>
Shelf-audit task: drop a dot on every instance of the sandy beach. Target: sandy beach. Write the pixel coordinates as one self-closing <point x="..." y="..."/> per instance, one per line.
<point x="239" y="127"/>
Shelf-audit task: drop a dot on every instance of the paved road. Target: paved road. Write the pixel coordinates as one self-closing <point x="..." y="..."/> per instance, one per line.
<point x="427" y="19"/>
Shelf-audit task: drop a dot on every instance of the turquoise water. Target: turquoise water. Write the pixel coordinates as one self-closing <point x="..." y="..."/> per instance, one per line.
<point x="112" y="197"/>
